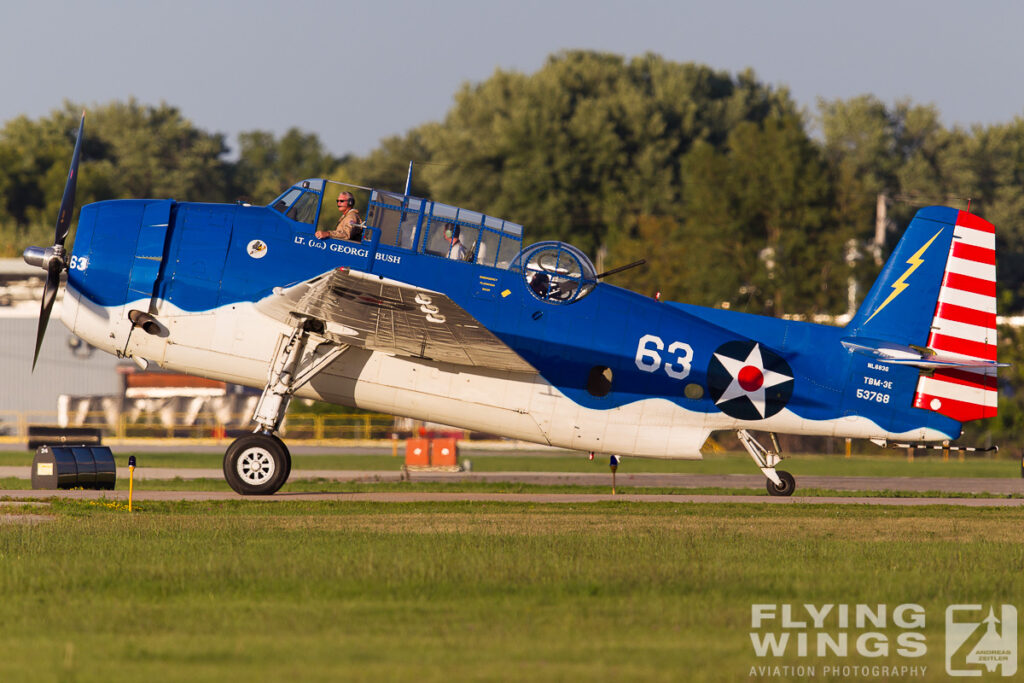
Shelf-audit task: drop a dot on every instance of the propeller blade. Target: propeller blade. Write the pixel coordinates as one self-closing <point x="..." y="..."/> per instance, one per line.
<point x="52" y="259"/>
<point x="49" y="296"/>
<point x="67" y="202"/>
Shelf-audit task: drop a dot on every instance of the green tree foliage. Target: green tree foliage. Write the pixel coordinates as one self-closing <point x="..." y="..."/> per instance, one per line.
<point x="997" y="159"/>
<point x="758" y="223"/>
<point x="130" y="150"/>
<point x="29" y="152"/>
<point x="387" y="166"/>
<point x="266" y="165"/>
<point x="905" y="153"/>
<point x="589" y="144"/>
<point x="157" y="152"/>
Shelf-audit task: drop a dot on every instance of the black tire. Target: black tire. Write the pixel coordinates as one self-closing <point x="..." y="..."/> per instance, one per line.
<point x="788" y="484"/>
<point x="287" y="458"/>
<point x="257" y="464"/>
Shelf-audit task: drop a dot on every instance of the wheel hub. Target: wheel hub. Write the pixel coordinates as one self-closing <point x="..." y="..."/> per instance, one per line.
<point x="256" y="466"/>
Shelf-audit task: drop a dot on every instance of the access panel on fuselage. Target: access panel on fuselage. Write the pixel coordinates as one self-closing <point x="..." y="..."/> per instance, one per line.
<point x="200" y="239"/>
<point x="149" y="251"/>
<point x="103" y="265"/>
<point x="263" y="253"/>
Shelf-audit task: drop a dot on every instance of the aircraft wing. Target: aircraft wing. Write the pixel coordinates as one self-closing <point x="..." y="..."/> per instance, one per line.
<point x="393" y="317"/>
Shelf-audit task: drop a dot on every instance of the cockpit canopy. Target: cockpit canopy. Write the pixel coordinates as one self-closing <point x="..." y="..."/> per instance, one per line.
<point x="416" y="224"/>
<point x="301" y="202"/>
<point x="443" y="230"/>
<point x="554" y="272"/>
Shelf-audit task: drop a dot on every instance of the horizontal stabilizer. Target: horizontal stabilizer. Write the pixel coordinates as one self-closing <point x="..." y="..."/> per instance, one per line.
<point x="927" y="359"/>
<point x="939" y="362"/>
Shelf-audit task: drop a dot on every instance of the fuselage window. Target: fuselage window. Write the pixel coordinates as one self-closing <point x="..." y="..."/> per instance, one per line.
<point x="451" y="240"/>
<point x="487" y="247"/>
<point x="395" y="218"/>
<point x="284" y="201"/>
<point x="304" y="210"/>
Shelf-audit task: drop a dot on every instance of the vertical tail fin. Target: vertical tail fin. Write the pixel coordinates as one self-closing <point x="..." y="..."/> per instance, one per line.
<point x="937" y="293"/>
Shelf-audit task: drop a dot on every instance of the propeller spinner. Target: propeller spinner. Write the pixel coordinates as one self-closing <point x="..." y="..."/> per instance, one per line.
<point x="54" y="259"/>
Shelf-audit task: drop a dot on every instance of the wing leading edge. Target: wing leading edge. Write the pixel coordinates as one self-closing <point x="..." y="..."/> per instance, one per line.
<point x="393" y="317"/>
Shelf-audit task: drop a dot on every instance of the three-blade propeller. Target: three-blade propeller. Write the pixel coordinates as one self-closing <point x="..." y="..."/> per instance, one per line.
<point x="53" y="259"/>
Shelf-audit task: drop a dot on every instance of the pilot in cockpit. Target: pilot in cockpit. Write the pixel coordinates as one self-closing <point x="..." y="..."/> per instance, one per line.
<point x="348" y="227"/>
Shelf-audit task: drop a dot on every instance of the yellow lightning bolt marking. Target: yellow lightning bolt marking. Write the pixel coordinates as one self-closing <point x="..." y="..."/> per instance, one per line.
<point x="914" y="262"/>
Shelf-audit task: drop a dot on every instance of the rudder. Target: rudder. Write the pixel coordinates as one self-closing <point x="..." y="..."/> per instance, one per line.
<point x="936" y="299"/>
<point x="964" y="326"/>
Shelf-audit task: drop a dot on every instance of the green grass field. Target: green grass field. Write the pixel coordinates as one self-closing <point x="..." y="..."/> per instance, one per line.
<point x="297" y="591"/>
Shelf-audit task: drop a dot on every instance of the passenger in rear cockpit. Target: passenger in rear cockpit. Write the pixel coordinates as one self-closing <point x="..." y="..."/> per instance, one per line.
<point x="348" y="227"/>
<point x="456" y="249"/>
<point x="540" y="284"/>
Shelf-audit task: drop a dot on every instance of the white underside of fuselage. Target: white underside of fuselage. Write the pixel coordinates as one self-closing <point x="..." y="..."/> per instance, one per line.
<point x="236" y="343"/>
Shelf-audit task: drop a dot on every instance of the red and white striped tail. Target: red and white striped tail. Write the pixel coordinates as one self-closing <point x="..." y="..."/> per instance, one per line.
<point x="964" y="326"/>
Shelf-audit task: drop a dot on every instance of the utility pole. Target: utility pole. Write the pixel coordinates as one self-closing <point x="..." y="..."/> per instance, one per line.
<point x="881" y="225"/>
<point x="852" y="294"/>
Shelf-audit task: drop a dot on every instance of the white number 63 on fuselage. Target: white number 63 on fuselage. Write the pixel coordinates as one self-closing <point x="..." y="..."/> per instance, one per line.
<point x="649" y="359"/>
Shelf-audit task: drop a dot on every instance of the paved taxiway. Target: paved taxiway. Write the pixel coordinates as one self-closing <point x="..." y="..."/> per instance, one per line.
<point x="418" y="497"/>
<point x="977" y="486"/>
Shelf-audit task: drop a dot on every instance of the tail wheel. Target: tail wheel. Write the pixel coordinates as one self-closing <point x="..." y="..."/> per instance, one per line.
<point x="787" y="487"/>
<point x="257" y="464"/>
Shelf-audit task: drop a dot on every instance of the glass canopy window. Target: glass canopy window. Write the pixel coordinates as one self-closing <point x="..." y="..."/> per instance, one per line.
<point x="434" y="228"/>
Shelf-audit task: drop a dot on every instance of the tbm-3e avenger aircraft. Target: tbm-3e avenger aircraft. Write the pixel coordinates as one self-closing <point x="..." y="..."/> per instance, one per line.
<point x="524" y="342"/>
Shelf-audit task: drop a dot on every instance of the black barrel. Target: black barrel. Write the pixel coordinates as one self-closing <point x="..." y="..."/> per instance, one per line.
<point x="106" y="469"/>
<point x="86" y="466"/>
<point x="54" y="468"/>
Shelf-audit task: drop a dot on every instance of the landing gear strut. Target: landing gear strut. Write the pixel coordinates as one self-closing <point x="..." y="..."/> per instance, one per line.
<point x="780" y="482"/>
<point x="259" y="463"/>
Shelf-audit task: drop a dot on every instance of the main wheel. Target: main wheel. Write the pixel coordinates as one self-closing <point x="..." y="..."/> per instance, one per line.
<point x="287" y="458"/>
<point x="788" y="484"/>
<point x="257" y="464"/>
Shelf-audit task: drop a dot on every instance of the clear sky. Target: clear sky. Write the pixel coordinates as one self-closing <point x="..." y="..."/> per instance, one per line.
<point x="355" y="72"/>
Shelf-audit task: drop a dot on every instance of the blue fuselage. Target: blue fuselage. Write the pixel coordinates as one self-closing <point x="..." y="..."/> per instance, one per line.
<point x="200" y="257"/>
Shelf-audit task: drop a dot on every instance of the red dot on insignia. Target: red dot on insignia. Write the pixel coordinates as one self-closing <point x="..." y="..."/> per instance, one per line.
<point x="750" y="378"/>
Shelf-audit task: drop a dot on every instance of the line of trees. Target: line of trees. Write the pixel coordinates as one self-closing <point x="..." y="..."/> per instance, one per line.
<point x="733" y="195"/>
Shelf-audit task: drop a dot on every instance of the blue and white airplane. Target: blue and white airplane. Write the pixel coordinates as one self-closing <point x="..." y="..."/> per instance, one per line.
<point x="439" y="313"/>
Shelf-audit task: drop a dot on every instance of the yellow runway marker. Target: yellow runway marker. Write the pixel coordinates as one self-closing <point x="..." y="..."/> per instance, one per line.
<point x="131" y="479"/>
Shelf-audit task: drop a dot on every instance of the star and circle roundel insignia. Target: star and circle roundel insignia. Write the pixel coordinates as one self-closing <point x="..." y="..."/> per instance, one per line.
<point x="748" y="381"/>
